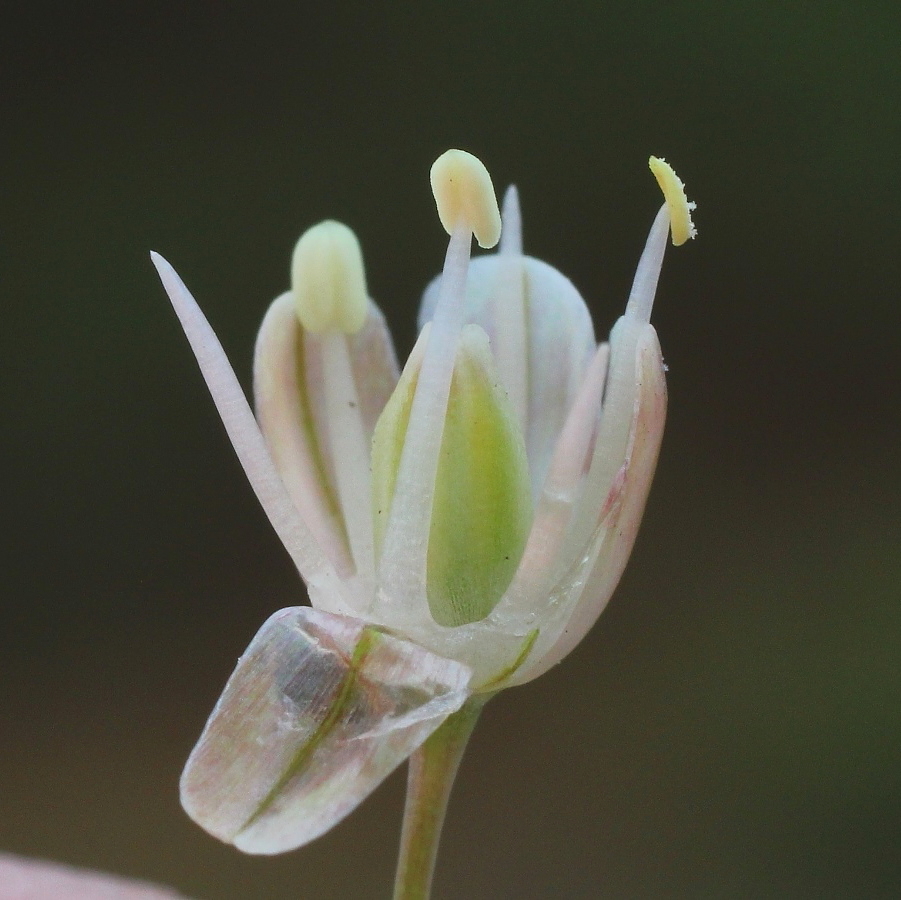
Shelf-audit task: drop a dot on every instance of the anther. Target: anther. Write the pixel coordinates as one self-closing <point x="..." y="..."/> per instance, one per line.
<point x="328" y="280"/>
<point x="465" y="195"/>
<point x="679" y="207"/>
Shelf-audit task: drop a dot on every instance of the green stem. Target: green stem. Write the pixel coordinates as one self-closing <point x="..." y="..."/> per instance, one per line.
<point x="432" y="770"/>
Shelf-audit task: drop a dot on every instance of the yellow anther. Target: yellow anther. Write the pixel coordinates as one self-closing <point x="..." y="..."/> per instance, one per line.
<point x="680" y="208"/>
<point x="328" y="280"/>
<point x="464" y="193"/>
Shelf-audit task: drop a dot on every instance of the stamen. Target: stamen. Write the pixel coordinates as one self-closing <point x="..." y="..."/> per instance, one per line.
<point x="329" y="286"/>
<point x="623" y="384"/>
<point x="464" y="195"/>
<point x="403" y="566"/>
<point x="644" y="286"/>
<point x="466" y="205"/>
<point x="328" y="280"/>
<point x="674" y="215"/>
<point x="679" y="206"/>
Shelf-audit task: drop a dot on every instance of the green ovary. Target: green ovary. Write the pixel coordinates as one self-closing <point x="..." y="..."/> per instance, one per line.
<point x="482" y="510"/>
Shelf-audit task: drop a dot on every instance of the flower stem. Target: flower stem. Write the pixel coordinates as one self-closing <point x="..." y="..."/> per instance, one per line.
<point x="431" y="774"/>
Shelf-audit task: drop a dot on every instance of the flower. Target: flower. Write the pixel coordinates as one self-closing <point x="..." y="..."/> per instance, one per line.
<point x="459" y="526"/>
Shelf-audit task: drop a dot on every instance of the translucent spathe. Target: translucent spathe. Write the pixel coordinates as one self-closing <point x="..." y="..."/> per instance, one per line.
<point x="572" y="427"/>
<point x="319" y="710"/>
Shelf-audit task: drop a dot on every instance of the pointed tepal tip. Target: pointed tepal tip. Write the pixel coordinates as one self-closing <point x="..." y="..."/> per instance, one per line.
<point x="328" y="279"/>
<point x="464" y="194"/>
<point x="511" y="236"/>
<point x="158" y="260"/>
<point x="168" y="276"/>
<point x="678" y="204"/>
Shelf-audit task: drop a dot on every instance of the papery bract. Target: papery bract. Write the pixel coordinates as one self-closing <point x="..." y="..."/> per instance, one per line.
<point x="318" y="711"/>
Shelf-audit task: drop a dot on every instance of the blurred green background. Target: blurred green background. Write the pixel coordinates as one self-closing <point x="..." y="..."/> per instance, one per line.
<point x="732" y="726"/>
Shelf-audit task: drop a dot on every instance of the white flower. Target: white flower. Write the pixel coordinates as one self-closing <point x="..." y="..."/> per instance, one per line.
<point x="459" y="526"/>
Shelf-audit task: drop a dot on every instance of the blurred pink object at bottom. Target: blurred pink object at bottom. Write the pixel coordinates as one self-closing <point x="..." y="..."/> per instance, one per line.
<point x="32" y="879"/>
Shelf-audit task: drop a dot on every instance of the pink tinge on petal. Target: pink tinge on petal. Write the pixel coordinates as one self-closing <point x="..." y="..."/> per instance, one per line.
<point x="285" y="417"/>
<point x="319" y="711"/>
<point x="349" y="379"/>
<point x="375" y="366"/>
<point x="566" y="473"/>
<point x="620" y="514"/>
<point x="295" y="405"/>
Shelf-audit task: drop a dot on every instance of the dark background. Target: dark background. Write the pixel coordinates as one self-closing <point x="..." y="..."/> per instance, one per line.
<point x="732" y="726"/>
